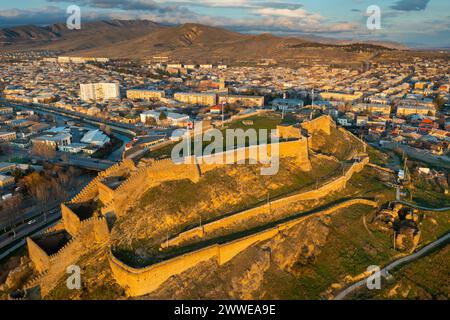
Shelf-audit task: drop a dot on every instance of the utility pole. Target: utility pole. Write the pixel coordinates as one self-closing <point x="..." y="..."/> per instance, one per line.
<point x="223" y="115"/>
<point x="394" y="239"/>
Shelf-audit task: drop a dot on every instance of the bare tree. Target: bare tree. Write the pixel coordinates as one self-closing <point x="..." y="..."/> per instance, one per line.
<point x="11" y="211"/>
<point x="43" y="150"/>
<point x="40" y="189"/>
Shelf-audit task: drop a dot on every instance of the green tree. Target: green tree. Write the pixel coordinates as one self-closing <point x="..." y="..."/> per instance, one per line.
<point x="162" y="116"/>
<point x="439" y="101"/>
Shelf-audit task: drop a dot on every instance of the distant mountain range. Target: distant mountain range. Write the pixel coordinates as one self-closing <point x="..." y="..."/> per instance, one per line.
<point x="195" y="42"/>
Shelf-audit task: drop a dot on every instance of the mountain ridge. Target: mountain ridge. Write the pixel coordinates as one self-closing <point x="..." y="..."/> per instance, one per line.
<point x="188" y="41"/>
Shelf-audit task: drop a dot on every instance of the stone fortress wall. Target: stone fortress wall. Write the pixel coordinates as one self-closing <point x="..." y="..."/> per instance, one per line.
<point x="93" y="231"/>
<point x="328" y="188"/>
<point x="141" y="281"/>
<point x="133" y="181"/>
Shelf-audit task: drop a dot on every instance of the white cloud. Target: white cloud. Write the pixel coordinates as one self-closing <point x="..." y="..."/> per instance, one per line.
<point x="292" y="13"/>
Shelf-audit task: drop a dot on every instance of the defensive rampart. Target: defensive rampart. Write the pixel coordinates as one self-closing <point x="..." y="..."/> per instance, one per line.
<point x="142" y="281"/>
<point x="93" y="231"/>
<point x="324" y="190"/>
<point x="87" y="231"/>
<point x="323" y="123"/>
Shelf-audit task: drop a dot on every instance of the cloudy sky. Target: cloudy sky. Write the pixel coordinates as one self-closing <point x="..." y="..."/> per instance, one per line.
<point x="417" y="23"/>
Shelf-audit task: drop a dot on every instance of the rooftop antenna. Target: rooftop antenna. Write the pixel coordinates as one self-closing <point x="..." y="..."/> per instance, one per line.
<point x="395" y="233"/>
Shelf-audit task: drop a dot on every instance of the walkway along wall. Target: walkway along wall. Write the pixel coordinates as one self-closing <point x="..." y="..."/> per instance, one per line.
<point x="142" y="281"/>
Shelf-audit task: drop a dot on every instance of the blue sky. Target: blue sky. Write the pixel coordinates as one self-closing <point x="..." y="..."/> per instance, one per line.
<point x="417" y="23"/>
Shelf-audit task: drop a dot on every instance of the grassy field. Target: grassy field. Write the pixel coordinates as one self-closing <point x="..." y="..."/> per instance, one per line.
<point x="427" y="192"/>
<point x="259" y="122"/>
<point x="377" y="157"/>
<point x="336" y="144"/>
<point x="348" y="251"/>
<point x="433" y="225"/>
<point x="426" y="278"/>
<point x="97" y="282"/>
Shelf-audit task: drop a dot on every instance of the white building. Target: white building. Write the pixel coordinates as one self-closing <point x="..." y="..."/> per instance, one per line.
<point x="57" y="140"/>
<point x="73" y="147"/>
<point x="175" y="118"/>
<point x="96" y="138"/>
<point x="344" y="122"/>
<point x="287" y="104"/>
<point x="99" y="91"/>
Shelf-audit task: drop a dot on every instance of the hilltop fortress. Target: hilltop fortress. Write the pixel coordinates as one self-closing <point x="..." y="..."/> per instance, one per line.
<point x="88" y="218"/>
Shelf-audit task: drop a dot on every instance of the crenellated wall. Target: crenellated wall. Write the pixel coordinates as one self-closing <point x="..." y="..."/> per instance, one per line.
<point x="146" y="177"/>
<point x="289" y="132"/>
<point x="91" y="190"/>
<point x="141" y="281"/>
<point x="92" y="231"/>
<point x="39" y="257"/>
<point x="322" y="123"/>
<point x="71" y="221"/>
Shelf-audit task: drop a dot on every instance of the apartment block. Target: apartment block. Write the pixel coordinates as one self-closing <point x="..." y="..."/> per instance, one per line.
<point x="143" y="94"/>
<point x="204" y="99"/>
<point x="99" y="91"/>
<point x="245" y="101"/>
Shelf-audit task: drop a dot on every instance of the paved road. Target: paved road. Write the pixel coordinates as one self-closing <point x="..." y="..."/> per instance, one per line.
<point x="26" y="229"/>
<point x="119" y="126"/>
<point x="424" y="208"/>
<point x="395" y="264"/>
<point x="6" y="252"/>
<point x="421" y="155"/>
<point x="87" y="163"/>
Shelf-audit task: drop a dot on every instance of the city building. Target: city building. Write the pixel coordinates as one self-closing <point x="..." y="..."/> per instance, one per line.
<point x="7" y="136"/>
<point x="144" y="94"/>
<point x="6" y="110"/>
<point x="99" y="91"/>
<point x="341" y="96"/>
<point x="203" y="99"/>
<point x="245" y="101"/>
<point x="55" y="140"/>
<point x="73" y="147"/>
<point x="384" y="109"/>
<point x="287" y="104"/>
<point x="407" y="110"/>
<point x="96" y="138"/>
<point x="6" y="180"/>
<point x="174" y="118"/>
